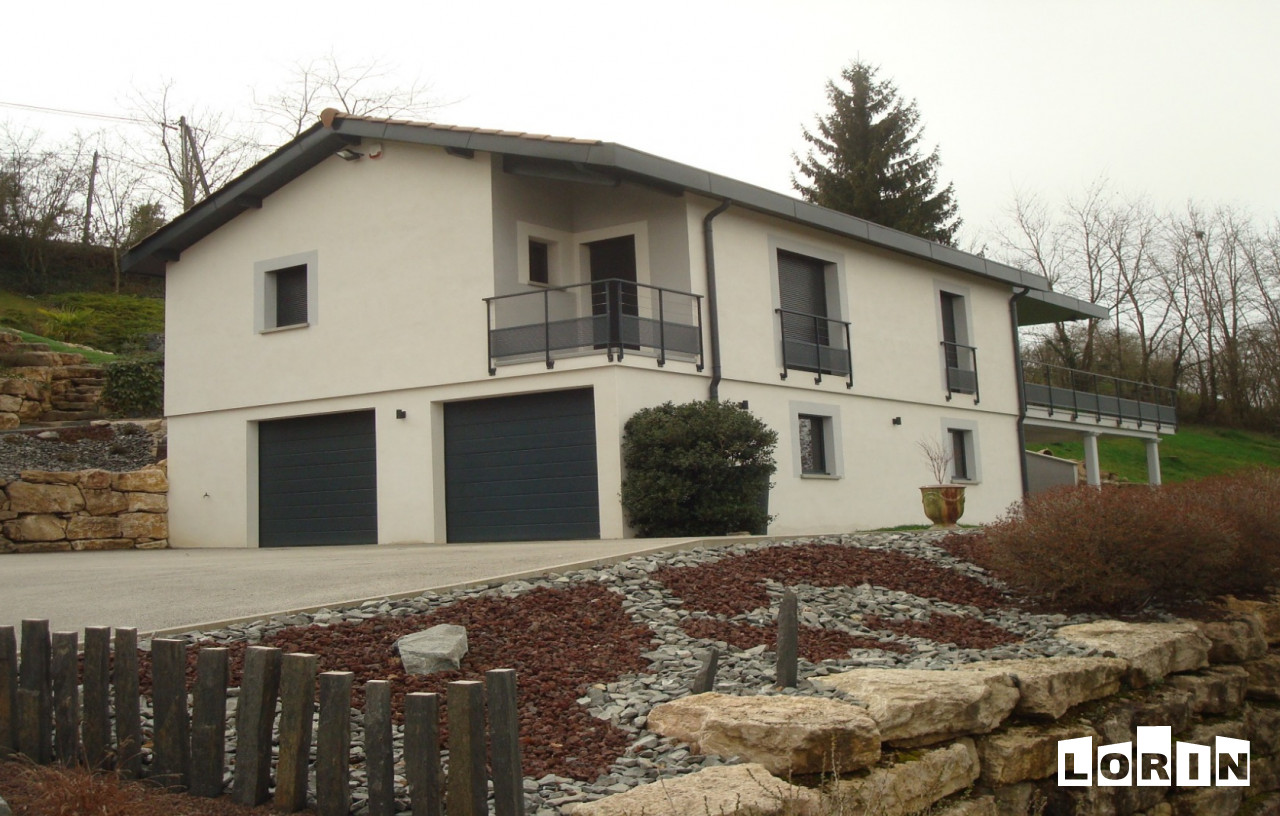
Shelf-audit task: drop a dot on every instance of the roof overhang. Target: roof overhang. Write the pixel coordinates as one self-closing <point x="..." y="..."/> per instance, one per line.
<point x="1040" y="307"/>
<point x="578" y="158"/>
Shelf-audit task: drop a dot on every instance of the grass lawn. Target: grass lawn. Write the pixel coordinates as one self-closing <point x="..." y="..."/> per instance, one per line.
<point x="1193" y="452"/>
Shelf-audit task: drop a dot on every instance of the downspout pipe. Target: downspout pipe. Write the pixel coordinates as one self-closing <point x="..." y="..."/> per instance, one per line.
<point x="713" y="311"/>
<point x="1022" y="389"/>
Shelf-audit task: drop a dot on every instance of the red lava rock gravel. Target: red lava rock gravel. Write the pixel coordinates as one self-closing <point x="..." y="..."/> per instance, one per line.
<point x="967" y="633"/>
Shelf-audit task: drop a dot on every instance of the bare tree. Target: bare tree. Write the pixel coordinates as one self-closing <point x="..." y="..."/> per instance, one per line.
<point x="41" y="194"/>
<point x="193" y="150"/>
<point x="125" y="208"/>
<point x="360" y="89"/>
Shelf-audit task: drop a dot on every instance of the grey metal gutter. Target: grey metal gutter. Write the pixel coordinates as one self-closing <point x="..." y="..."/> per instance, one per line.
<point x="713" y="308"/>
<point x="315" y="144"/>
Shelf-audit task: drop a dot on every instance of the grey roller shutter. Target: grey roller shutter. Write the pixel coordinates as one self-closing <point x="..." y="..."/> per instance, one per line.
<point x="318" y="481"/>
<point x="522" y="468"/>
<point x="802" y="289"/>
<point x="291" y="296"/>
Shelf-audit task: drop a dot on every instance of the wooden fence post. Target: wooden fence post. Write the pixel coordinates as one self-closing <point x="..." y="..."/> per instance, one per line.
<point x="209" y="722"/>
<point x="66" y="696"/>
<point x="504" y="739"/>
<point x="706" y="678"/>
<point x="378" y="760"/>
<point x="255" y="715"/>
<point x="124" y="676"/>
<point x="297" y="703"/>
<point x="333" y="745"/>
<point x="35" y="700"/>
<point x="788" y="640"/>
<point x="171" y="756"/>
<point x="96" y="725"/>
<point x="467" y="791"/>
<point x="8" y="691"/>
<point x="422" y="753"/>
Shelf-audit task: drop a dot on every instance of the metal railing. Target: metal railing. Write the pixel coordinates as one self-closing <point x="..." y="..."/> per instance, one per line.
<point x="1097" y="396"/>
<point x="807" y="345"/>
<point x="962" y="369"/>
<point x="612" y="315"/>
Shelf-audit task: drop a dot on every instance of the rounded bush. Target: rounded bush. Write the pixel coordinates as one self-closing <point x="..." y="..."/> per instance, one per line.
<point x="135" y="386"/>
<point x="697" y="469"/>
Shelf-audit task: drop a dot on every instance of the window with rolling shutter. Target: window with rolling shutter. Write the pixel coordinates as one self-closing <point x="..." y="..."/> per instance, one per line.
<point x="291" y="295"/>
<point x="802" y="295"/>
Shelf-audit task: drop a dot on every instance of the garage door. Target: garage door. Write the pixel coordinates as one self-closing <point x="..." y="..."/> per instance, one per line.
<point x="317" y="481"/>
<point x="522" y="468"/>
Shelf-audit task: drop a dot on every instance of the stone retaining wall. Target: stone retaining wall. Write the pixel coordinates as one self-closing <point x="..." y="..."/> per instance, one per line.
<point x="981" y="739"/>
<point x="48" y="511"/>
<point x="41" y="385"/>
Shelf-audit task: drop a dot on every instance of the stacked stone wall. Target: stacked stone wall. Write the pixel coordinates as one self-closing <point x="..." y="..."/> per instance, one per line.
<point x="52" y="511"/>
<point x="981" y="739"/>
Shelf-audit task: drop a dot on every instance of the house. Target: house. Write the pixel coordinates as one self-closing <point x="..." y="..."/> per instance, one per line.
<point x="392" y="331"/>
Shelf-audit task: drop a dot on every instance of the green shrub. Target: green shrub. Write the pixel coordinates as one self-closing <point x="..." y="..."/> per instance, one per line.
<point x="67" y="325"/>
<point x="135" y="386"/>
<point x="1122" y="549"/>
<point x="119" y="323"/>
<point x="701" y="468"/>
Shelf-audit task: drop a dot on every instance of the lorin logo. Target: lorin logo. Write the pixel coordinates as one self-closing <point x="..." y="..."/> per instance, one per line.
<point x="1156" y="762"/>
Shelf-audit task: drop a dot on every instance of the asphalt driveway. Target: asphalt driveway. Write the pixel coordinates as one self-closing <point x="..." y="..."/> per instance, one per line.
<point x="179" y="590"/>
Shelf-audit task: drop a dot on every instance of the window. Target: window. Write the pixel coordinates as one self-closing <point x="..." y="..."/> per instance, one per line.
<point x="815" y="441"/>
<point x="960" y="358"/>
<point x="961" y="437"/>
<point x="813" y="336"/>
<point x="285" y="296"/>
<point x="290" y="286"/>
<point x="539" y="262"/>
<point x="813" y="445"/>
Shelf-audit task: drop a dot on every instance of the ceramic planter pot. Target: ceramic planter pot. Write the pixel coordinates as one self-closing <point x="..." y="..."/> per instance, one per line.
<point x="943" y="504"/>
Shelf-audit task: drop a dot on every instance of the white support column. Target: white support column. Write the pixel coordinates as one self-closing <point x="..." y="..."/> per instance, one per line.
<point x="1093" y="473"/>
<point x="1153" y="461"/>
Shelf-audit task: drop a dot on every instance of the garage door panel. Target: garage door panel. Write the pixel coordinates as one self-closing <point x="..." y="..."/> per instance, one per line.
<point x="522" y="468"/>
<point x="317" y="480"/>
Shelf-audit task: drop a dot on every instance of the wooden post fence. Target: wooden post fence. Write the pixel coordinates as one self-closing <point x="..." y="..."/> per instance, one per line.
<point x="45" y="716"/>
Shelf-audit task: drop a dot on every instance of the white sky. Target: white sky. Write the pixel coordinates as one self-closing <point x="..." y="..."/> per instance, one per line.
<point x="1175" y="99"/>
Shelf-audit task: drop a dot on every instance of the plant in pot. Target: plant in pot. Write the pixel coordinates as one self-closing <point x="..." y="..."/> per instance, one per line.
<point x="943" y="501"/>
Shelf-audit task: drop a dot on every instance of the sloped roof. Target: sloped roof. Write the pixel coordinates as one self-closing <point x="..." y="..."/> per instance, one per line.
<point x="336" y="130"/>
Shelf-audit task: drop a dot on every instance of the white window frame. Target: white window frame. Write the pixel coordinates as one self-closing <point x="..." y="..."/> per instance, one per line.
<point x="833" y="442"/>
<point x="264" y="291"/>
<point x="558" y="271"/>
<point x="972" y="448"/>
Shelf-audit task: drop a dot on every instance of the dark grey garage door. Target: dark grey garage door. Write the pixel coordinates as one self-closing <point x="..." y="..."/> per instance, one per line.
<point x="317" y="481"/>
<point x="521" y="468"/>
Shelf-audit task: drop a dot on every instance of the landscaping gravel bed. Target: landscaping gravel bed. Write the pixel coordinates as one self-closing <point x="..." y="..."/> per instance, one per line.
<point x="596" y="649"/>
<point x="116" y="447"/>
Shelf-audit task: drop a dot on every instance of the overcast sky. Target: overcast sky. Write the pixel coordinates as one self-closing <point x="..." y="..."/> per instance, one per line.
<point x="1174" y="99"/>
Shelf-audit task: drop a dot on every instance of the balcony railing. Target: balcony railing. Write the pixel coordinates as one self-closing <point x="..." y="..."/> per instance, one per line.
<point x="815" y="343"/>
<point x="615" y="316"/>
<point x="962" y="369"/>
<point x="1085" y="395"/>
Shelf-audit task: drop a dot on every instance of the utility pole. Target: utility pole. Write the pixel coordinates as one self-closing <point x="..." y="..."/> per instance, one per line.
<point x="188" y="184"/>
<point x="189" y="138"/>
<point x="88" y="202"/>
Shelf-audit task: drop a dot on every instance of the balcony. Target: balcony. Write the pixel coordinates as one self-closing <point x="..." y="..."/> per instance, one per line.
<point x="1065" y="393"/>
<point x="962" y="369"/>
<point x="815" y="343"/>
<point x="614" y="316"/>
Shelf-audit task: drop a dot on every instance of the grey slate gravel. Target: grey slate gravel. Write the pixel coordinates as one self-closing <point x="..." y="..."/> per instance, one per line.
<point x="675" y="659"/>
<point x="127" y="451"/>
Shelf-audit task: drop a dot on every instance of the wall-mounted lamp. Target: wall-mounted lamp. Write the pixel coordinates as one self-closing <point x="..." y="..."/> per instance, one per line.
<point x="400" y="414"/>
<point x="897" y="420"/>
<point x="347" y="154"/>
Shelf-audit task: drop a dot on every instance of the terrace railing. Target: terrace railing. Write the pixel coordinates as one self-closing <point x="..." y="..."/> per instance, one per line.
<point x="1087" y="395"/>
<point x="815" y="343"/>
<point x="962" y="369"/>
<point x="614" y="316"/>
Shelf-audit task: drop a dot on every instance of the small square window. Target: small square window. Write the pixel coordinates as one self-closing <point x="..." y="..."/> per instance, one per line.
<point x="813" y="444"/>
<point x="539" y="262"/>
<point x="290" y="289"/>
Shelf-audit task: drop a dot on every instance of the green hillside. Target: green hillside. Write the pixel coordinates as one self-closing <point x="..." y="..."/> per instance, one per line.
<point x="1194" y="451"/>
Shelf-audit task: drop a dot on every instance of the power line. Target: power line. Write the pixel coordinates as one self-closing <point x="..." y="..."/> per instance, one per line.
<point x="82" y="114"/>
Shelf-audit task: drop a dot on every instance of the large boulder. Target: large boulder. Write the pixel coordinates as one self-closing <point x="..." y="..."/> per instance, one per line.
<point x="920" y="707"/>
<point x="25" y="497"/>
<point x="1267" y="612"/>
<point x="1152" y="650"/>
<point x="1049" y="686"/>
<point x="1262" y="726"/>
<point x="908" y="787"/>
<point x="1264" y="678"/>
<point x="733" y="790"/>
<point x="787" y="735"/>
<point x="440" y="648"/>
<point x="1218" y="691"/>
<point x="1235" y="640"/>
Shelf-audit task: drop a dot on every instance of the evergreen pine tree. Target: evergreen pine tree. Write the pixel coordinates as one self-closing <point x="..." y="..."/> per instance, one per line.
<point x="865" y="160"/>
